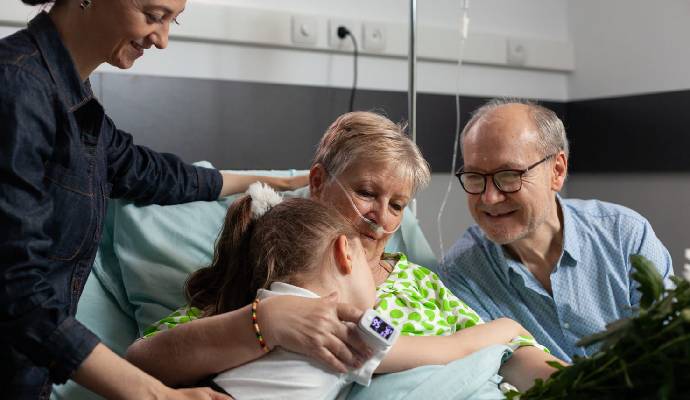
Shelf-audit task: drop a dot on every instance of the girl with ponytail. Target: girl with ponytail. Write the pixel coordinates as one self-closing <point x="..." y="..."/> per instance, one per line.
<point x="293" y="241"/>
<point x="269" y="248"/>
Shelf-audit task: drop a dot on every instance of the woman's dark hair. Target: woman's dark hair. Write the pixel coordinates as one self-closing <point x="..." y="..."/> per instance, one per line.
<point x="285" y="244"/>
<point x="37" y="2"/>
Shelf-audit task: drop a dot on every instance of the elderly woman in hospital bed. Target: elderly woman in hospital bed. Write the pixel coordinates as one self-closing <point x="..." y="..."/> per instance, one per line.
<point x="368" y="170"/>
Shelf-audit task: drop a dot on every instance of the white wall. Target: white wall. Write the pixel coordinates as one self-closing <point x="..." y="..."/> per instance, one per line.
<point x="492" y="21"/>
<point x="627" y="47"/>
<point x="323" y="69"/>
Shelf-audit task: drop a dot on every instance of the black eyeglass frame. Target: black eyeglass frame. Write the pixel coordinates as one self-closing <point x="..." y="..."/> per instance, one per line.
<point x="522" y="172"/>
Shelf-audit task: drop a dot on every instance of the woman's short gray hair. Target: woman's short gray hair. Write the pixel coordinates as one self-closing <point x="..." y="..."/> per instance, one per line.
<point x="363" y="136"/>
<point x="550" y="129"/>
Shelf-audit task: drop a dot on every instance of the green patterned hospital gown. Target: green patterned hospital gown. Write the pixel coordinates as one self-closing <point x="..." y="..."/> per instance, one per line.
<point x="413" y="298"/>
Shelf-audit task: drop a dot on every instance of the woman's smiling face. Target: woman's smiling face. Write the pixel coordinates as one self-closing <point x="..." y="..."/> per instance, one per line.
<point x="374" y="190"/>
<point x="126" y="28"/>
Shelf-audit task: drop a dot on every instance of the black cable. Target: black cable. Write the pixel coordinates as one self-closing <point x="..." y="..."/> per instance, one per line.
<point x="342" y="32"/>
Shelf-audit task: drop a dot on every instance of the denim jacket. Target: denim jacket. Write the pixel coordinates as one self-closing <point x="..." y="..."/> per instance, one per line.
<point x="61" y="158"/>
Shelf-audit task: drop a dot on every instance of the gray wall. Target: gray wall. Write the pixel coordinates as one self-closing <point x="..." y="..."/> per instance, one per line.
<point x="455" y="218"/>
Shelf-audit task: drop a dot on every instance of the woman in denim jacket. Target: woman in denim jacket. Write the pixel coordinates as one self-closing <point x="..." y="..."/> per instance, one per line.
<point x="61" y="158"/>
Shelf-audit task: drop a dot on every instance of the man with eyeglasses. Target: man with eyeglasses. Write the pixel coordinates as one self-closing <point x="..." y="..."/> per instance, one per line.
<point x="558" y="266"/>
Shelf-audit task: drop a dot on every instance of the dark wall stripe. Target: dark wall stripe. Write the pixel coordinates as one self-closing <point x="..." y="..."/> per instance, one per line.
<point x="242" y="125"/>
<point x="436" y="125"/>
<point x="642" y="133"/>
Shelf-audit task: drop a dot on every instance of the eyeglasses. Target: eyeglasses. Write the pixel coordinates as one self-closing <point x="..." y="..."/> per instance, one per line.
<point x="505" y="180"/>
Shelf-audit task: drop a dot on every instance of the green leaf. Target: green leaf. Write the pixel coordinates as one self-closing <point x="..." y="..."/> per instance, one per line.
<point x="512" y="395"/>
<point x="651" y="282"/>
<point x="556" y="365"/>
<point x="642" y="357"/>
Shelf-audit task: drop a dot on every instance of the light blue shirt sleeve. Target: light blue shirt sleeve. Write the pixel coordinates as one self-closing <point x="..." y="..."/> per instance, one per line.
<point x="648" y="245"/>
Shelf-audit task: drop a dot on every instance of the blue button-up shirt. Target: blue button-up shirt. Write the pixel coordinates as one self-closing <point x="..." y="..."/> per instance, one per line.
<point x="61" y="157"/>
<point x="591" y="282"/>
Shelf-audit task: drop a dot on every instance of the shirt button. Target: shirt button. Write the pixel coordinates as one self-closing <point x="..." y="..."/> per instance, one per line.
<point x="566" y="325"/>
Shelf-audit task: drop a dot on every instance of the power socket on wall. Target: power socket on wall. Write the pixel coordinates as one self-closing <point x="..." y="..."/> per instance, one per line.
<point x="516" y="52"/>
<point x="305" y="30"/>
<point x="373" y="37"/>
<point x="336" y="42"/>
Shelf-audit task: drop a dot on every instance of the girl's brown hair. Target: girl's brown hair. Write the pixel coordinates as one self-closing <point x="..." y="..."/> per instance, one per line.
<point x="287" y="243"/>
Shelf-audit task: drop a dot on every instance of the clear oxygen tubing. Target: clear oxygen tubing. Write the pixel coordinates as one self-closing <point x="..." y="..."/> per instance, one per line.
<point x="464" y="25"/>
<point x="375" y="228"/>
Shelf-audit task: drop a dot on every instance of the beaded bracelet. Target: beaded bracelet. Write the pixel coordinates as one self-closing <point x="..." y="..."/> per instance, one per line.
<point x="259" y="337"/>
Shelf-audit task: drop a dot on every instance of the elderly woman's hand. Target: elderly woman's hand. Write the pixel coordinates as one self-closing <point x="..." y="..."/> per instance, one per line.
<point x="315" y="328"/>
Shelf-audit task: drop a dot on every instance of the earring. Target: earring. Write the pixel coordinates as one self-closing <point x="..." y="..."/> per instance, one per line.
<point x="85" y="4"/>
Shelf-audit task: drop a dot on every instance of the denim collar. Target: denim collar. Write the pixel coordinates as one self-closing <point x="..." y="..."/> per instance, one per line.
<point x="58" y="60"/>
<point x="571" y="245"/>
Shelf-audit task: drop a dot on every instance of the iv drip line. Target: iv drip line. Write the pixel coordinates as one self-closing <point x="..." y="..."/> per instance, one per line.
<point x="465" y="22"/>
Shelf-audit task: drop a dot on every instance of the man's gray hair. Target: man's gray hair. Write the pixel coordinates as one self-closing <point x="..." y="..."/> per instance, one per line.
<point x="550" y="129"/>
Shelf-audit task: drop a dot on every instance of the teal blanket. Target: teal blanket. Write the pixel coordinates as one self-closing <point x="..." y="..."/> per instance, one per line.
<point x="473" y="377"/>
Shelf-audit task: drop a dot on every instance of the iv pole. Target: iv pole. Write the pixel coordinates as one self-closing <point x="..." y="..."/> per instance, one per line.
<point x="412" y="61"/>
<point x="412" y="84"/>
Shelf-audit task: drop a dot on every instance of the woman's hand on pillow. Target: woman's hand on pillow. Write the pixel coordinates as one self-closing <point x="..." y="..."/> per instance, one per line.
<point x="288" y="182"/>
<point x="315" y="327"/>
<point x="234" y="183"/>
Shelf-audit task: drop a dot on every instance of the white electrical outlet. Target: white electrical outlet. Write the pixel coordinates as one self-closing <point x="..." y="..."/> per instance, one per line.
<point x="305" y="30"/>
<point x="516" y="52"/>
<point x="337" y="43"/>
<point x="373" y="37"/>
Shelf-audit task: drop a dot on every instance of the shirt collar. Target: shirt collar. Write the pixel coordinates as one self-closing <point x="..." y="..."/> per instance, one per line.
<point x="59" y="62"/>
<point x="281" y="288"/>
<point x="571" y="244"/>
<point x="506" y="263"/>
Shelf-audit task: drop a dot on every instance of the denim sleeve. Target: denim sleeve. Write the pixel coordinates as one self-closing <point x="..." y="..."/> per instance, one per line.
<point x="33" y="321"/>
<point x="144" y="176"/>
<point x="647" y="244"/>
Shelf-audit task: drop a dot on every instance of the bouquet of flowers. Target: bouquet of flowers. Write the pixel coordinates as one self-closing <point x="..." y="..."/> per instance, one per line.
<point x="645" y="357"/>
